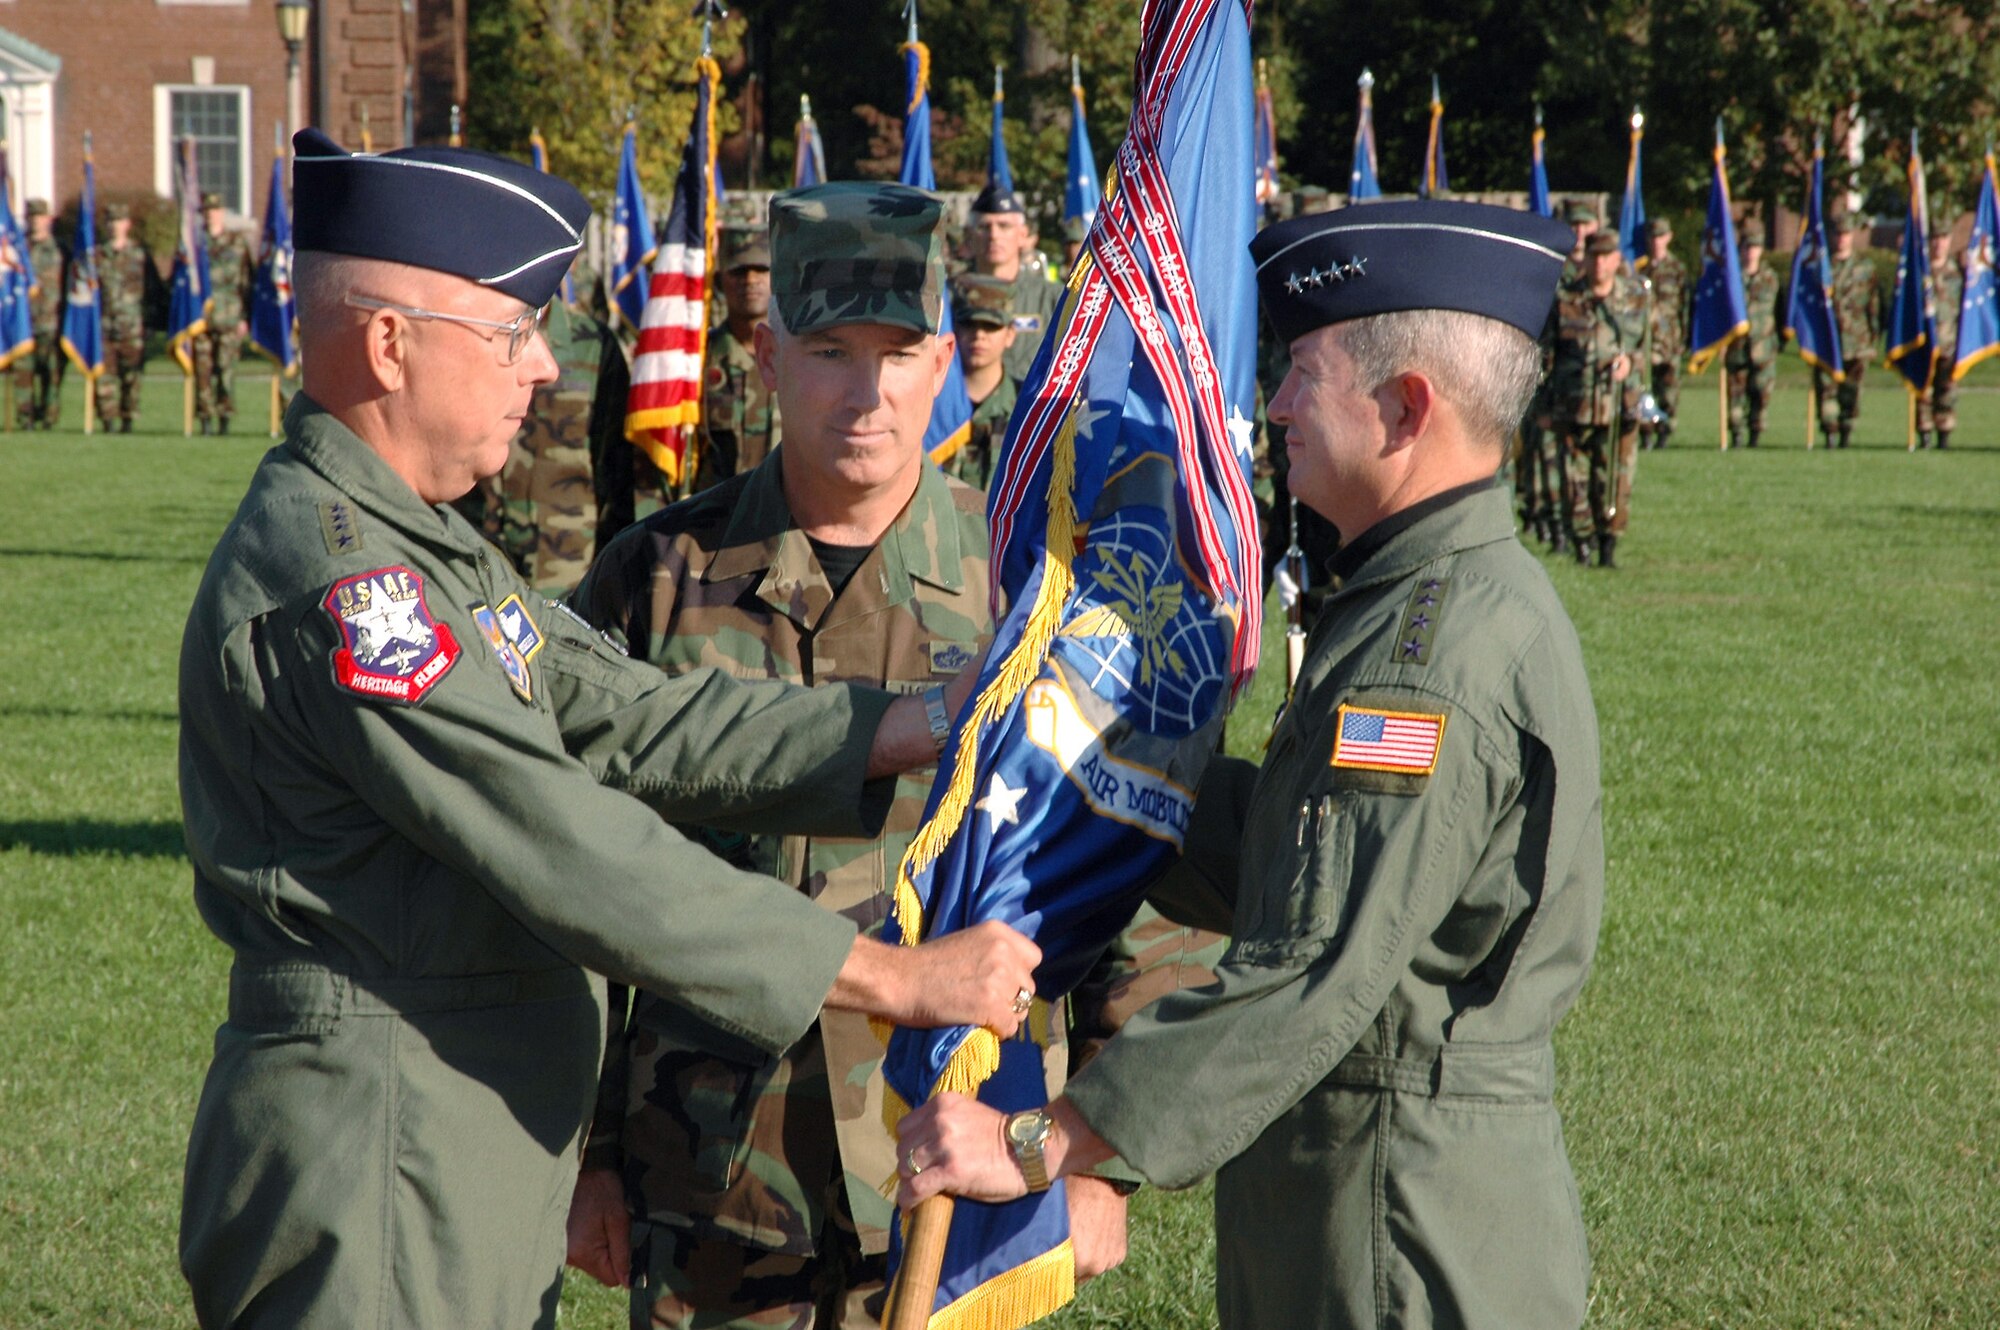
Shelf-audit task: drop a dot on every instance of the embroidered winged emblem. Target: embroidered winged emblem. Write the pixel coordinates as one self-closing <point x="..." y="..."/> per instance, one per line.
<point x="1143" y="612"/>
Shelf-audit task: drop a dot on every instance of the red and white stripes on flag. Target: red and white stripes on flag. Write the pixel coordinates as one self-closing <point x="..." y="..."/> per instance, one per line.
<point x="663" y="410"/>
<point x="1370" y="740"/>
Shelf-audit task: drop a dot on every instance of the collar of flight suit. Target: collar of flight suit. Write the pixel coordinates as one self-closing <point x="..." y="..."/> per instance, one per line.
<point x="320" y="441"/>
<point x="921" y="545"/>
<point x="1481" y="517"/>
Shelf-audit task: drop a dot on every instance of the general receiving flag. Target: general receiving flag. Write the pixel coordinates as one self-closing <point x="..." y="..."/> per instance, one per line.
<point x="538" y="150"/>
<point x="1721" y="314"/>
<point x="809" y="151"/>
<point x="189" y="292"/>
<point x="17" y="276"/>
<point x="1434" y="181"/>
<point x="998" y="173"/>
<point x="951" y="413"/>
<point x="83" y="316"/>
<point x="663" y="409"/>
<point x="632" y="248"/>
<point x="1979" y="307"/>
<point x="1912" y="322"/>
<point x="1081" y="193"/>
<point x="1267" y="140"/>
<point x="272" y="311"/>
<point x="1538" y="174"/>
<point x="1361" y="179"/>
<point x="1125" y="542"/>
<point x="1632" y="210"/>
<point x="1809" y="311"/>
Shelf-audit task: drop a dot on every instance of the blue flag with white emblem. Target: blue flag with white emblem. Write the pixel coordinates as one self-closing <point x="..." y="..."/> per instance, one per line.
<point x="1126" y="548"/>
<point x="272" y="312"/>
<point x="83" y="315"/>
<point x="188" y="291"/>
<point x="17" y="277"/>
<point x="1632" y="208"/>
<point x="1721" y="314"/>
<point x="1912" y="323"/>
<point x="632" y="246"/>
<point x="1361" y="178"/>
<point x="1809" y="318"/>
<point x="1538" y="174"/>
<point x="951" y="414"/>
<point x="998" y="172"/>
<point x="1082" y="192"/>
<point x="1979" y="306"/>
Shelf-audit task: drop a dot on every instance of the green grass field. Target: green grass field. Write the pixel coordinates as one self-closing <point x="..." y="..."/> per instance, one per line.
<point x="1780" y="1084"/>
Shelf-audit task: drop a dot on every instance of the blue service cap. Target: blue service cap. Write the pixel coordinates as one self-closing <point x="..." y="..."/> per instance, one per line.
<point x="492" y="220"/>
<point x="1380" y="258"/>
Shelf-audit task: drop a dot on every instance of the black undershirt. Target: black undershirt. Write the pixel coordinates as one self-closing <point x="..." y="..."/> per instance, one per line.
<point x="1364" y="547"/>
<point x="839" y="562"/>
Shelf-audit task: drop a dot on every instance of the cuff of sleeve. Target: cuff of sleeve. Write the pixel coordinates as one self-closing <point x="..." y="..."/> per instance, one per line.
<point x="602" y="1153"/>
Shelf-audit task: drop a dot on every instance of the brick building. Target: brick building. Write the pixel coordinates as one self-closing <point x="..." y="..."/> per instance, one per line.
<point x="141" y="74"/>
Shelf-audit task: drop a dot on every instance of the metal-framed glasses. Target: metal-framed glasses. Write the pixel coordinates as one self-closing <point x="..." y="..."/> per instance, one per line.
<point x="518" y="329"/>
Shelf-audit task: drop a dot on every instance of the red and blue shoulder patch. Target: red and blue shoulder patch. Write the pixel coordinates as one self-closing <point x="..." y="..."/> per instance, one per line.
<point x="391" y="646"/>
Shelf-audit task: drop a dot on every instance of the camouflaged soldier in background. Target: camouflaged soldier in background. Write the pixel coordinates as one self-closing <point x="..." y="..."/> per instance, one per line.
<point x="1752" y="359"/>
<point x="1937" y="404"/>
<point x="982" y="314"/>
<point x="757" y="1181"/>
<point x="1541" y="479"/>
<point x="1598" y="327"/>
<point x="231" y="269"/>
<point x="739" y="416"/>
<point x="541" y="510"/>
<point x="1670" y="295"/>
<point x="38" y="374"/>
<point x="1857" y="310"/>
<point x="126" y="282"/>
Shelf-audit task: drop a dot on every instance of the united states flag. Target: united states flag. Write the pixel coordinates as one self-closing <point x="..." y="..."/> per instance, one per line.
<point x="663" y="409"/>
<point x="1387" y="740"/>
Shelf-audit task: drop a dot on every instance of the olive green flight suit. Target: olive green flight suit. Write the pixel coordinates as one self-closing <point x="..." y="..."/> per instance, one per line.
<point x="1372" y="1071"/>
<point x="389" y="1131"/>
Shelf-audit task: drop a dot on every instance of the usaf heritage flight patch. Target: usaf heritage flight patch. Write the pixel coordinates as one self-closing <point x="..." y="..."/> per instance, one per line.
<point x="514" y="639"/>
<point x="1403" y="742"/>
<point x="391" y="648"/>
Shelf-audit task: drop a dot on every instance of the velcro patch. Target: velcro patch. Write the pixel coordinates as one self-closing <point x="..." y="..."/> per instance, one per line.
<point x="391" y="648"/>
<point x="1419" y="626"/>
<point x="949" y="657"/>
<point x="337" y="527"/>
<point x="1369" y="739"/>
<point x="518" y="674"/>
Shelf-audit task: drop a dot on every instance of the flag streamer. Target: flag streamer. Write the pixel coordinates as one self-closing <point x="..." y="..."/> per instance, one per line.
<point x="1538" y="174"/>
<point x="1362" y="180"/>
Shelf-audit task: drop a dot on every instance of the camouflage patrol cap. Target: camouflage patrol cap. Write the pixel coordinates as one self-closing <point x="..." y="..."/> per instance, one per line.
<point x="985" y="301"/>
<point x="38" y="207"/>
<point x="1751" y="233"/>
<point x="856" y="252"/>
<point x="117" y="212"/>
<point x="1577" y="211"/>
<point x="1843" y="223"/>
<point x="210" y="201"/>
<point x="1603" y="242"/>
<point x="744" y="247"/>
<point x="1659" y="226"/>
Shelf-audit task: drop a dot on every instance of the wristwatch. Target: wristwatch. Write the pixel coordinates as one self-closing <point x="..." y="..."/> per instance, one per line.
<point x="1026" y="1133"/>
<point x="937" y="717"/>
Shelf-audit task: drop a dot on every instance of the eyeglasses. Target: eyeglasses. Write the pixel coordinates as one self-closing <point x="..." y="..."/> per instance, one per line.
<point x="518" y="329"/>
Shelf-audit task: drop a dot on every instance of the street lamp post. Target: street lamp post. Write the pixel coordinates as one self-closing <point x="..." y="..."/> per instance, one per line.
<point x="293" y="18"/>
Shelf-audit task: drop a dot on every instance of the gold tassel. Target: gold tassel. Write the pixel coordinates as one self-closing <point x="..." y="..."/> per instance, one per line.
<point x="1019" y="1297"/>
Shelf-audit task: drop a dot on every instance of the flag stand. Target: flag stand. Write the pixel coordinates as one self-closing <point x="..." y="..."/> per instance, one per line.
<point x="1812" y="410"/>
<point x="187" y="406"/>
<point x="89" y="405"/>
<point x="1910" y="441"/>
<point x="915" y="1289"/>
<point x="1723" y="383"/>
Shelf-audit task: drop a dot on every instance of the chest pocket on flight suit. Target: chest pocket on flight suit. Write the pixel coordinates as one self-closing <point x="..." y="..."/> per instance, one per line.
<point x="1302" y="884"/>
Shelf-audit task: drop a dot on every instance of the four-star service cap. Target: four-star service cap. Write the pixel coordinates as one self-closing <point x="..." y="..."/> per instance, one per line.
<point x="855" y="252"/>
<point x="1382" y="258"/>
<point x="488" y="219"/>
<point x="993" y="200"/>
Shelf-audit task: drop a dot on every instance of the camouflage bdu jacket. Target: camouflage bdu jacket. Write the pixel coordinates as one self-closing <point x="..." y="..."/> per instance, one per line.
<point x="1945" y="291"/>
<point x="46" y="263"/>
<point x="1591" y="333"/>
<point x="712" y="1135"/>
<point x="1857" y="306"/>
<point x="739" y="416"/>
<point x="125" y="279"/>
<point x="1670" y="308"/>
<point x="1759" y="346"/>
<point x="230" y="270"/>
<point x="973" y="462"/>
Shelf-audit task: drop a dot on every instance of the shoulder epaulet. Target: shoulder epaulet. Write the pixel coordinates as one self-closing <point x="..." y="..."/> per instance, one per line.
<point x="1420" y="620"/>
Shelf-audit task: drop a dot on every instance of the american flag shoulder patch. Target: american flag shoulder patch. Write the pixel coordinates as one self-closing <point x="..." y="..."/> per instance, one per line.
<point x="1371" y="739"/>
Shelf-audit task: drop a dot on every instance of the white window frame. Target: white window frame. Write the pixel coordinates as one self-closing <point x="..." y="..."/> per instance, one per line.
<point x="163" y="139"/>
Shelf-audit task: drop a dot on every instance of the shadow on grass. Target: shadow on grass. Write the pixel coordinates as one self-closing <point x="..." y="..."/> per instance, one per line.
<point x="163" y="716"/>
<point x="102" y="556"/>
<point x="159" y="839"/>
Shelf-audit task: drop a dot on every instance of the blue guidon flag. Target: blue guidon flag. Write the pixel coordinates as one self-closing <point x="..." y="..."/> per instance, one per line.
<point x="1632" y="207"/>
<point x="1979" y="307"/>
<point x="1081" y="192"/>
<point x="1126" y="545"/>
<point x="950" y="426"/>
<point x="1912" y="322"/>
<point x="190" y="294"/>
<point x="83" y="310"/>
<point x="1720" y="313"/>
<point x="1809" y="309"/>
<point x="17" y="277"/>
<point x="273" y="313"/>
<point x="1362" y="179"/>
<point x="632" y="247"/>
<point x="1538" y="173"/>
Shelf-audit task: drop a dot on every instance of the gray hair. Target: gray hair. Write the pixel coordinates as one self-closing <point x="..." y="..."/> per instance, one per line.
<point x="1485" y="368"/>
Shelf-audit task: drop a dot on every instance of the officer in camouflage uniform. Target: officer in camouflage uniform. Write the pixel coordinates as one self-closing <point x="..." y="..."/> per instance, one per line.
<point x="1541" y="481"/>
<point x="982" y="314"/>
<point x="756" y="1180"/>
<point x="541" y="510"/>
<point x="999" y="243"/>
<point x="38" y="374"/>
<point x="1937" y="405"/>
<point x="1857" y="312"/>
<point x="1752" y="359"/>
<point x="126" y="282"/>
<point x="739" y="416"/>
<point x="1667" y="277"/>
<point x="231" y="270"/>
<point x="1600" y="342"/>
